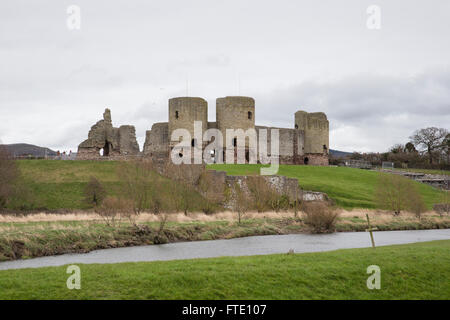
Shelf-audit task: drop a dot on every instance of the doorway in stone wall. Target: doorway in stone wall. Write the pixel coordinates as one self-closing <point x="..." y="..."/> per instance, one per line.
<point x="306" y="160"/>
<point x="105" y="150"/>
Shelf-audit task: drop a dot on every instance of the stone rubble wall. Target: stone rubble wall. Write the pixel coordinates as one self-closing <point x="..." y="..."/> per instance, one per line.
<point x="115" y="142"/>
<point x="434" y="180"/>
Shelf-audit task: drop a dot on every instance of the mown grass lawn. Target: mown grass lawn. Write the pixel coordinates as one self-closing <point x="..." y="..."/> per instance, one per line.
<point x="413" y="271"/>
<point x="349" y="187"/>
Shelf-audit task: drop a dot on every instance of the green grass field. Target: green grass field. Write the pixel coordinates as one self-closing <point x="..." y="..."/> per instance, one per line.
<point x="413" y="271"/>
<point x="349" y="187"/>
<point x="59" y="184"/>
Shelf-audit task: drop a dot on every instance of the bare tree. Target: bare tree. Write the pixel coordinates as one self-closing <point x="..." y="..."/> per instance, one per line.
<point x="182" y="198"/>
<point x="138" y="183"/>
<point x="446" y="148"/>
<point x="429" y="140"/>
<point x="241" y="201"/>
<point x="394" y="192"/>
<point x="94" y="192"/>
<point x="211" y="190"/>
<point x="415" y="200"/>
<point x="9" y="175"/>
<point x="444" y="206"/>
<point x="260" y="192"/>
<point x="186" y="180"/>
<point x="110" y="209"/>
<point x="162" y="223"/>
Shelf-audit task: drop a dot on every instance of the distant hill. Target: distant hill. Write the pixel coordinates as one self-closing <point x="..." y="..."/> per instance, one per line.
<point x="339" y="154"/>
<point x="23" y="149"/>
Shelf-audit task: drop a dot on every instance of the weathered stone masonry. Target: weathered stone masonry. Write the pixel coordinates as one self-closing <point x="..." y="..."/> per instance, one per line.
<point x="306" y="143"/>
<point x="116" y="143"/>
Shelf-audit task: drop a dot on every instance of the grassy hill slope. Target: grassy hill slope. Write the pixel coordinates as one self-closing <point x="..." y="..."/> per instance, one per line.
<point x="59" y="184"/>
<point x="349" y="187"/>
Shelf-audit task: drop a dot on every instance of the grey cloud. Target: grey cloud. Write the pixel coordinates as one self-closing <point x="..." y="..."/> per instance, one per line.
<point x="386" y="109"/>
<point x="132" y="56"/>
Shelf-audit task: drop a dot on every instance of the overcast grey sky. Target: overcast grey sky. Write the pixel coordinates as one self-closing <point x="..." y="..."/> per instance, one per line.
<point x="376" y="86"/>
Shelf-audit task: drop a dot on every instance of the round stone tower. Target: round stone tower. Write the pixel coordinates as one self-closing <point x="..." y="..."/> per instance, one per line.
<point x="183" y="111"/>
<point x="235" y="113"/>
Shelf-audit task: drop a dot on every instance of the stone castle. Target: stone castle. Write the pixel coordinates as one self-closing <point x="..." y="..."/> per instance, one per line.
<point x="306" y="143"/>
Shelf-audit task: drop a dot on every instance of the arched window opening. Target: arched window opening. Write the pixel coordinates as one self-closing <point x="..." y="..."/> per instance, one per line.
<point x="249" y="115"/>
<point x="176" y="114"/>
<point x="193" y="142"/>
<point x="180" y="155"/>
<point x="296" y="126"/>
<point x="234" y="142"/>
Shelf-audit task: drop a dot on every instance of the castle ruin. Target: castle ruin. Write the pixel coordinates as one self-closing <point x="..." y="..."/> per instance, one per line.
<point x="106" y="141"/>
<point x="306" y="143"/>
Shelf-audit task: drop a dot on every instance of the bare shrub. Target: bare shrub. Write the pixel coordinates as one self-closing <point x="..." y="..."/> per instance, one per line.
<point x="94" y="192"/>
<point x="279" y="202"/>
<point x="241" y="201"/>
<point x="320" y="217"/>
<point x="9" y="176"/>
<point x="415" y="201"/>
<point x="263" y="196"/>
<point x="211" y="191"/>
<point x="143" y="188"/>
<point x="159" y="233"/>
<point x="444" y="206"/>
<point x="139" y="183"/>
<point x="182" y="198"/>
<point x="187" y="177"/>
<point x="110" y="209"/>
<point x="261" y="193"/>
<point x="394" y="192"/>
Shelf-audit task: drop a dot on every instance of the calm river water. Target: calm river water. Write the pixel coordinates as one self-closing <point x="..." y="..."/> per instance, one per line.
<point x="234" y="247"/>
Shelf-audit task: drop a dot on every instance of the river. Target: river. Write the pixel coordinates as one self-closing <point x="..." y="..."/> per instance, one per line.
<point x="258" y="245"/>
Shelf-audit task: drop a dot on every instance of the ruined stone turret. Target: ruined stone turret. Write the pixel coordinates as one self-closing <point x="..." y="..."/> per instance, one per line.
<point x="316" y="129"/>
<point x="106" y="141"/>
